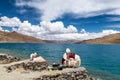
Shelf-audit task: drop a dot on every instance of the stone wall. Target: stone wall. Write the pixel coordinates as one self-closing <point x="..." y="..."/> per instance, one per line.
<point x="27" y="65"/>
<point x="5" y="58"/>
<point x="69" y="75"/>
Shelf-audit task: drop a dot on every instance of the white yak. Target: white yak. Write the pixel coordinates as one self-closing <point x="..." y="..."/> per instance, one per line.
<point x="35" y="57"/>
<point x="73" y="60"/>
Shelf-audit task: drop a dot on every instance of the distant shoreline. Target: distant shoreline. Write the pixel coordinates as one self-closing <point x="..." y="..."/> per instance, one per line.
<point x="63" y="43"/>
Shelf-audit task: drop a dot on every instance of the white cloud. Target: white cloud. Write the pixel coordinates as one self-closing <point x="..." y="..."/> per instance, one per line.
<point x="22" y="11"/>
<point x="5" y="30"/>
<point x="53" y="9"/>
<point x="57" y="27"/>
<point x="113" y="19"/>
<point x="114" y="26"/>
<point x="83" y="31"/>
<point x="9" y="22"/>
<point x="50" y="30"/>
<point x="1" y="28"/>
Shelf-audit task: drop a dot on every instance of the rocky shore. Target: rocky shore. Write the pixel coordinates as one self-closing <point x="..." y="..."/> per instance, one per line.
<point x="66" y="74"/>
<point x="31" y="70"/>
<point x="5" y="58"/>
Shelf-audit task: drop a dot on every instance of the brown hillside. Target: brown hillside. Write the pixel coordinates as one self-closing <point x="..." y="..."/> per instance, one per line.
<point x="110" y="39"/>
<point x="17" y="37"/>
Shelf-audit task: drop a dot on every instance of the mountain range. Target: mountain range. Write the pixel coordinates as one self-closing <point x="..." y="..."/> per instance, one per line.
<point x="17" y="37"/>
<point x="20" y="38"/>
<point x="110" y="39"/>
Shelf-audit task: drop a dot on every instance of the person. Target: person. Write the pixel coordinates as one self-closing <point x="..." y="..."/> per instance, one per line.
<point x="71" y="59"/>
<point x="33" y="55"/>
<point x="36" y="57"/>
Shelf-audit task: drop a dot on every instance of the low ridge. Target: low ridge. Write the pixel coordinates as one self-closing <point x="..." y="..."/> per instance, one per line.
<point x="17" y="37"/>
<point x="110" y="39"/>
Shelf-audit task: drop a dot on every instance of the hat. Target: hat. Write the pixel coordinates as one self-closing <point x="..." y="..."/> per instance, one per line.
<point x="67" y="50"/>
<point x="35" y="53"/>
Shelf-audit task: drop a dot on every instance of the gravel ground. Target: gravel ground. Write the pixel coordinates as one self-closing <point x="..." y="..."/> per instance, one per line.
<point x="21" y="74"/>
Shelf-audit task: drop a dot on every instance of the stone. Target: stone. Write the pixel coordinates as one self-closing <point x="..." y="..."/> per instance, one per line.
<point x="69" y="75"/>
<point x="5" y="58"/>
<point x="27" y="65"/>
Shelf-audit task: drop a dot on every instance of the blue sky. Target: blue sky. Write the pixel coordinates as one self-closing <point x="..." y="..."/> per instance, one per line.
<point x="89" y="16"/>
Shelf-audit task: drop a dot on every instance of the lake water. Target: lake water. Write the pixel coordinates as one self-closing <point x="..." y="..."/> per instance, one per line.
<point x="101" y="61"/>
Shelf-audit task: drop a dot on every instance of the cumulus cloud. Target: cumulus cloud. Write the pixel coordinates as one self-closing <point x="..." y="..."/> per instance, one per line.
<point x="53" y="9"/>
<point x="9" y="22"/>
<point x="40" y="31"/>
<point x="57" y="27"/>
<point x="50" y="30"/>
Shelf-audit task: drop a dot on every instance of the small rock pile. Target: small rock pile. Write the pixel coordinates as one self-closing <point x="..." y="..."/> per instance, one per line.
<point x="30" y="65"/>
<point x="5" y="58"/>
<point x="73" y="75"/>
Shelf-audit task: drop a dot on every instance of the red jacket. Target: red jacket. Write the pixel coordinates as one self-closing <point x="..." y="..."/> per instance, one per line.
<point x="71" y="55"/>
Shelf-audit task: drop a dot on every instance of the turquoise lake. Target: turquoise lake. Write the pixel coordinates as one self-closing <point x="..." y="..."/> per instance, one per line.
<point x="101" y="61"/>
